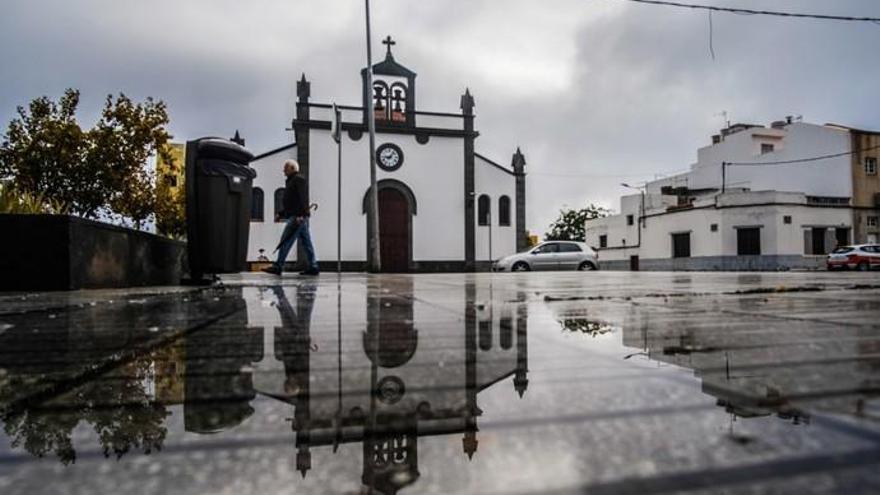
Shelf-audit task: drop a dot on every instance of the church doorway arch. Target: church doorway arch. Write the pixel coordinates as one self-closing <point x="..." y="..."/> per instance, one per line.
<point x="397" y="205"/>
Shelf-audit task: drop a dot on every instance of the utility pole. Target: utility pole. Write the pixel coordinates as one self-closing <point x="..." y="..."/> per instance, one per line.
<point x="337" y="136"/>
<point x="374" y="260"/>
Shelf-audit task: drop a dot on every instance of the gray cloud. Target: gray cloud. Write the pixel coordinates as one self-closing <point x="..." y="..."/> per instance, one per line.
<point x="597" y="92"/>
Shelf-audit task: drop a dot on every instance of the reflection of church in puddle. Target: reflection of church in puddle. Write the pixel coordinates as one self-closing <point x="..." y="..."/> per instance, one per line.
<point x="391" y="371"/>
<point x="757" y="371"/>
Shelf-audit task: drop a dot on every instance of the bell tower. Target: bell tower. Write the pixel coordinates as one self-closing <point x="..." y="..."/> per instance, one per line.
<point x="392" y="97"/>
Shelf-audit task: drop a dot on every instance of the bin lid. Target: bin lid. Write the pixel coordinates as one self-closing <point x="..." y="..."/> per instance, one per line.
<point x="226" y="169"/>
<point x="223" y="149"/>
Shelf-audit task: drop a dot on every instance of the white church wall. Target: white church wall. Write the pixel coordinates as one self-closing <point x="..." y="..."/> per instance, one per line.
<point x="490" y="180"/>
<point x="433" y="171"/>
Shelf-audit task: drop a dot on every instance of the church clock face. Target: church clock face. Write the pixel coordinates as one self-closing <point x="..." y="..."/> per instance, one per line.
<point x="389" y="157"/>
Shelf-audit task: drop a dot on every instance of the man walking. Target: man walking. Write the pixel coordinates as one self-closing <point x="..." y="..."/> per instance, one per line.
<point x="296" y="215"/>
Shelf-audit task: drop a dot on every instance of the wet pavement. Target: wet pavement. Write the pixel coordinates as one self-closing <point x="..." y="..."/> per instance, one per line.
<point x="598" y="382"/>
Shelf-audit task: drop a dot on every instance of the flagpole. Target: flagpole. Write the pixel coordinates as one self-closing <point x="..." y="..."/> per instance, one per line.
<point x="374" y="263"/>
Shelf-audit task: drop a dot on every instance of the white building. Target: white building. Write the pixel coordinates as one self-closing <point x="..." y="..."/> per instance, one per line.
<point x="442" y="205"/>
<point x="751" y="202"/>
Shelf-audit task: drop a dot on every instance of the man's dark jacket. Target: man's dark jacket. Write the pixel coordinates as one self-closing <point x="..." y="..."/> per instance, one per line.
<point x="295" y="202"/>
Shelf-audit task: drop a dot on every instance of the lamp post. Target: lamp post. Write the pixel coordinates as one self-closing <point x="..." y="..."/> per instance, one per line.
<point x="374" y="261"/>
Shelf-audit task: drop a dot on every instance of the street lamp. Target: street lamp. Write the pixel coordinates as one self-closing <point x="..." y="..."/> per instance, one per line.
<point x="374" y="261"/>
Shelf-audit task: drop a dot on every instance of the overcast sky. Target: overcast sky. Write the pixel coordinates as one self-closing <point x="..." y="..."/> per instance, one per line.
<point x="596" y="92"/>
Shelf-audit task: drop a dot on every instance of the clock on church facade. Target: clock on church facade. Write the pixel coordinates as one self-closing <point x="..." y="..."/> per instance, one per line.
<point x="449" y="209"/>
<point x="389" y="156"/>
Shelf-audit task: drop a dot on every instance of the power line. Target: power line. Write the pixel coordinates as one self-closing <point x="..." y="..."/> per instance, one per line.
<point x="732" y="10"/>
<point x="802" y="160"/>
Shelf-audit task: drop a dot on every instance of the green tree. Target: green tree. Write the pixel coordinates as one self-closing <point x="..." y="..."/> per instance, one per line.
<point x="569" y="226"/>
<point x="43" y="152"/>
<point x="97" y="171"/>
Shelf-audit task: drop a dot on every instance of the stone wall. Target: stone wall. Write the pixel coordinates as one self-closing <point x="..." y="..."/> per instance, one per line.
<point x="60" y="252"/>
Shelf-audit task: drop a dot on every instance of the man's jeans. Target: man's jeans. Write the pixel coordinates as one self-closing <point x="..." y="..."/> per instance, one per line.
<point x="293" y="232"/>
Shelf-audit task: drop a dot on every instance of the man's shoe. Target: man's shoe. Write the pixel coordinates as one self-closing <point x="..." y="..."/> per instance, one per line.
<point x="310" y="272"/>
<point x="274" y="270"/>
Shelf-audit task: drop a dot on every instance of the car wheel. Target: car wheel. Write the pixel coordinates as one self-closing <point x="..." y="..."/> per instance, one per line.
<point x="586" y="266"/>
<point x="520" y="266"/>
<point x="862" y="266"/>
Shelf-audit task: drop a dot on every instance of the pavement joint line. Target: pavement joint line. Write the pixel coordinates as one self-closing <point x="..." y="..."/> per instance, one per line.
<point x="763" y="315"/>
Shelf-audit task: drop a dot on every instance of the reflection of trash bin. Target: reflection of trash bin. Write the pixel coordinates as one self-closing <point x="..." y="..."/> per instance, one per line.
<point x="218" y="205"/>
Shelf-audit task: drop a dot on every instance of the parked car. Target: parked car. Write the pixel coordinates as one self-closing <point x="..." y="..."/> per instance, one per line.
<point x="551" y="255"/>
<point x="858" y="257"/>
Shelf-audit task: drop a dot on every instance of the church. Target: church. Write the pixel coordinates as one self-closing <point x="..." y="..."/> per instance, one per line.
<point x="443" y="206"/>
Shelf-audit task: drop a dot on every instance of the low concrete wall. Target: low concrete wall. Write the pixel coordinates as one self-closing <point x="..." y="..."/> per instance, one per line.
<point x="60" y="252"/>
<point x="722" y="263"/>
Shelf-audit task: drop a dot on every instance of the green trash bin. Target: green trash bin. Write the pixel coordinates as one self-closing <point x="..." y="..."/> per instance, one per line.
<point x="218" y="203"/>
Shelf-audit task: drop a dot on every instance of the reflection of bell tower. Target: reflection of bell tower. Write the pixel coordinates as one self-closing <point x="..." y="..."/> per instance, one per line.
<point x="390" y="432"/>
<point x="391" y="454"/>
<point x="392" y="97"/>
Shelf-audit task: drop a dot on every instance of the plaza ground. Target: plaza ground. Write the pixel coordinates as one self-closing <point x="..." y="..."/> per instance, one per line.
<point x="543" y="382"/>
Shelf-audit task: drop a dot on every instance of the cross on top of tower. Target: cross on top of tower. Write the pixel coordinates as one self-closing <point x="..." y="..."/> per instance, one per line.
<point x="388" y="42"/>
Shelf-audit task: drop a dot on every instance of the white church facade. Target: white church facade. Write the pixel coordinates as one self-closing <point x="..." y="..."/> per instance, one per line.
<point x="442" y="205"/>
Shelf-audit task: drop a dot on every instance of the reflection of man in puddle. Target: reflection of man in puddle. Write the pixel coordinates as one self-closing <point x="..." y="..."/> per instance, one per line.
<point x="292" y="347"/>
<point x="293" y="339"/>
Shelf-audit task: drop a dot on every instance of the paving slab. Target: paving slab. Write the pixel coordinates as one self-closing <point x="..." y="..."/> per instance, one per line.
<point x="595" y="382"/>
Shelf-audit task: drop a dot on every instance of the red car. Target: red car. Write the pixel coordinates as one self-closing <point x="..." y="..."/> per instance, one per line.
<point x="859" y="257"/>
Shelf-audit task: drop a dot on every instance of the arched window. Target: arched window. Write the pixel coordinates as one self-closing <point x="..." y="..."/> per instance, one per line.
<point x="506" y="338"/>
<point x="485" y="335"/>
<point x="257" y="201"/>
<point x="504" y="211"/>
<point x="279" y="202"/>
<point x="397" y="102"/>
<point x="484" y="204"/>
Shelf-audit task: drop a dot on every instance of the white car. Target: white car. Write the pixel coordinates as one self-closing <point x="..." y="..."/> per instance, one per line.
<point x="551" y="255"/>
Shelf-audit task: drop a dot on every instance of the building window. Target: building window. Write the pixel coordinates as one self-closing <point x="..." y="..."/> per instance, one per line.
<point x="872" y="221"/>
<point x="257" y="205"/>
<point x="766" y="148"/>
<point x="630" y="220"/>
<point x="871" y="165"/>
<point x="713" y="227"/>
<point x="504" y="211"/>
<point x="483" y="210"/>
<point x="681" y="245"/>
<point x="279" y="204"/>
<point x="603" y="241"/>
<point x="748" y="241"/>
<point x="786" y="219"/>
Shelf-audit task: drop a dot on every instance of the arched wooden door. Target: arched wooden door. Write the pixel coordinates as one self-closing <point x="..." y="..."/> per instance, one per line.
<point x="394" y="230"/>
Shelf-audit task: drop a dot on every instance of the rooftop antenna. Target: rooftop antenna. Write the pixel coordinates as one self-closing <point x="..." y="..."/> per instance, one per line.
<point x="725" y="116"/>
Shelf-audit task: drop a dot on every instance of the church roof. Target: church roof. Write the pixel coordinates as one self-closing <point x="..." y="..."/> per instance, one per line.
<point x="494" y="164"/>
<point x="389" y="66"/>
<point x="272" y="152"/>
